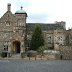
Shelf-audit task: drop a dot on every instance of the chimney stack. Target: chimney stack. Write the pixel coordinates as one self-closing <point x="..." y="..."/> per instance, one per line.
<point x="9" y="7"/>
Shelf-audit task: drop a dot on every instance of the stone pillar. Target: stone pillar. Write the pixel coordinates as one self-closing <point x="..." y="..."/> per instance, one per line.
<point x="22" y="47"/>
<point x="9" y="49"/>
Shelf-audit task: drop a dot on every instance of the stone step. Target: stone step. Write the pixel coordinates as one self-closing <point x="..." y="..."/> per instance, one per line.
<point x="16" y="56"/>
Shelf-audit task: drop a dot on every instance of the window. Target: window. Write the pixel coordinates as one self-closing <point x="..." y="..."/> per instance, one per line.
<point x="6" y="35"/>
<point x="20" y="24"/>
<point x="49" y="39"/>
<point x="5" y="46"/>
<point x="59" y="38"/>
<point x="7" y="23"/>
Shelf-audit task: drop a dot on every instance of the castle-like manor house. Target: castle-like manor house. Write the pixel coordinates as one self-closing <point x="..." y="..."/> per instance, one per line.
<point x="15" y="33"/>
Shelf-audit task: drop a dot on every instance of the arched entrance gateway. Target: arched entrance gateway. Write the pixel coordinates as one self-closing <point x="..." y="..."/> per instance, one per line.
<point x="16" y="46"/>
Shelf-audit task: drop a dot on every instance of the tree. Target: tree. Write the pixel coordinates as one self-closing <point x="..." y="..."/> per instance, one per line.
<point x="42" y="48"/>
<point x="37" y="38"/>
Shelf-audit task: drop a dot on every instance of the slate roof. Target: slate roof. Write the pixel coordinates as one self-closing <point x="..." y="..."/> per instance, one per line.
<point x="44" y="27"/>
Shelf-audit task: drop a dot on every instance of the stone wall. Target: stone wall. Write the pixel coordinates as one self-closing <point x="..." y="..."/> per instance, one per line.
<point x="66" y="51"/>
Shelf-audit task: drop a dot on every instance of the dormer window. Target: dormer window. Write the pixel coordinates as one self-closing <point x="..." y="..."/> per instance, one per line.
<point x="7" y="23"/>
<point x="6" y="35"/>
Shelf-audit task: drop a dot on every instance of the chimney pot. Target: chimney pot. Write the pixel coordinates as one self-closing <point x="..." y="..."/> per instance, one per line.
<point x="9" y="7"/>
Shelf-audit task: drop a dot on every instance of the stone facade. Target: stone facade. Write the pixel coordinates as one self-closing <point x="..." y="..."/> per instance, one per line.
<point x="54" y="38"/>
<point x="12" y="31"/>
<point x="66" y="52"/>
<point x="54" y="33"/>
<point x="15" y="33"/>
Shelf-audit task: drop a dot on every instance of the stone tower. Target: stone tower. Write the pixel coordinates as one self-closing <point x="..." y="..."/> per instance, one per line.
<point x="13" y="31"/>
<point x="21" y="16"/>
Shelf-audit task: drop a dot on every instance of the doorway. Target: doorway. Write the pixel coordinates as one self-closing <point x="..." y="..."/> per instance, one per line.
<point x="16" y="47"/>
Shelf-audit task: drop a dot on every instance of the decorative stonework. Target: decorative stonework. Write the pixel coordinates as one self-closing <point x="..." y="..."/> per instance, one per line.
<point x="12" y="29"/>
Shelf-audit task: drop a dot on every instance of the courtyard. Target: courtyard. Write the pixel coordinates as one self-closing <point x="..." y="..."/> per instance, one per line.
<point x="19" y="65"/>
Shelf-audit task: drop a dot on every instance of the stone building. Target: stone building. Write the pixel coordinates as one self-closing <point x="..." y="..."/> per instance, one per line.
<point x="66" y="49"/>
<point x="54" y="33"/>
<point x="15" y="33"/>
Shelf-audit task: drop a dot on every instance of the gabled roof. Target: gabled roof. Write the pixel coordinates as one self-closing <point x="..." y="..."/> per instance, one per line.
<point x="8" y="16"/>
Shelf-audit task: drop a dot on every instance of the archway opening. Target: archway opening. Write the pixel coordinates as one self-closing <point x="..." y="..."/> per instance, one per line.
<point x="16" y="47"/>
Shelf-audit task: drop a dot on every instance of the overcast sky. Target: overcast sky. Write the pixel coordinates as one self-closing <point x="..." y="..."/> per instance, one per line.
<point x="42" y="11"/>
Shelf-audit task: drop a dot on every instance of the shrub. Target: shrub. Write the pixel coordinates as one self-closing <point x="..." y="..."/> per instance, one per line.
<point x="3" y="54"/>
<point x="31" y="53"/>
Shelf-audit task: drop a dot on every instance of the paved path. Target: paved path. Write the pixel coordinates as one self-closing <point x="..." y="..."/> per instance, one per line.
<point x="35" y="66"/>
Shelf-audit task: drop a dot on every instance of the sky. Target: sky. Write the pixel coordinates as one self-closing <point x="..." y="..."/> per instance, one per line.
<point x="42" y="11"/>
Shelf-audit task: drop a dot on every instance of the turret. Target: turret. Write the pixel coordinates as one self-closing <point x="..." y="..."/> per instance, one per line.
<point x="62" y="23"/>
<point x="21" y="16"/>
